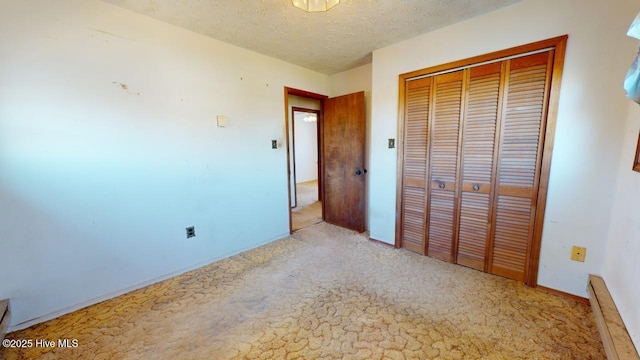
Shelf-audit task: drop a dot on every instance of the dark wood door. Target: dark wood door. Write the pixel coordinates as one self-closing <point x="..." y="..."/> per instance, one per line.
<point x="343" y="156"/>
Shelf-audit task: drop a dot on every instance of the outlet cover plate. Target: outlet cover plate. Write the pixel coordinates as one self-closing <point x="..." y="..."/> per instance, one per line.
<point x="578" y="253"/>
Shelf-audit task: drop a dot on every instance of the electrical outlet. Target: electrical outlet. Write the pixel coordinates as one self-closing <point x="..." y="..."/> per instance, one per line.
<point x="578" y="253"/>
<point x="191" y="231"/>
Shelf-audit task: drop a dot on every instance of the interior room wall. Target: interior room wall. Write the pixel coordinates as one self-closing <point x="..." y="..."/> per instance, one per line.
<point x="589" y="132"/>
<point x="306" y="146"/>
<point x="109" y="148"/>
<point x="621" y="265"/>
<point x="351" y="81"/>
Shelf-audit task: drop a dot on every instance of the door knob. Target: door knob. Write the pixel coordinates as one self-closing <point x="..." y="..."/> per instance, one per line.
<point x="358" y="172"/>
<point x="442" y="185"/>
<point x="476" y="187"/>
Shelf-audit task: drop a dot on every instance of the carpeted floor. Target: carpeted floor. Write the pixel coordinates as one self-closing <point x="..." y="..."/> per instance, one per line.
<point x="308" y="210"/>
<point x="325" y="293"/>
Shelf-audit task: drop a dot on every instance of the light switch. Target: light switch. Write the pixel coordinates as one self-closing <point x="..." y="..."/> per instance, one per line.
<point x="222" y="121"/>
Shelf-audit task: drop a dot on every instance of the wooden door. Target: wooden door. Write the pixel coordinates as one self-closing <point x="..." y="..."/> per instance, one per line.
<point x="475" y="158"/>
<point x="479" y="148"/>
<point x="520" y="155"/>
<point x="343" y="153"/>
<point x="414" y="190"/>
<point x="443" y="161"/>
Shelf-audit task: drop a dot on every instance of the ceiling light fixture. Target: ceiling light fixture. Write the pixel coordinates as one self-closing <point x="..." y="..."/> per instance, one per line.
<point x="310" y="118"/>
<point x="315" y="5"/>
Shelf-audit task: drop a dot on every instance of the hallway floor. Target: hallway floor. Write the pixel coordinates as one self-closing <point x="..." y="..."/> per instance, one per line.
<point x="308" y="210"/>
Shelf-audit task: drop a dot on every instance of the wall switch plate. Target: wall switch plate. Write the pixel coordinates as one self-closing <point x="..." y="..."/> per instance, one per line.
<point x="578" y="253"/>
<point x="274" y="144"/>
<point x="222" y="120"/>
<point x="191" y="231"/>
<point x="392" y="143"/>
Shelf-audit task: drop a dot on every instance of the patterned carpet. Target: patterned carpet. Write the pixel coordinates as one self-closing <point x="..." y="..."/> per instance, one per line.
<point x="325" y="293"/>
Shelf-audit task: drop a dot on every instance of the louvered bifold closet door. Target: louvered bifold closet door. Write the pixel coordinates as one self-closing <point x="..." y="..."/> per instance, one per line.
<point x="444" y="144"/>
<point x="478" y="151"/>
<point x="519" y="162"/>
<point x="415" y="164"/>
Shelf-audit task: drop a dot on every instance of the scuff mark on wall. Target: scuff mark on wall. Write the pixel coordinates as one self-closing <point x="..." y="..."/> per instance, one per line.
<point x="107" y="33"/>
<point x="123" y="86"/>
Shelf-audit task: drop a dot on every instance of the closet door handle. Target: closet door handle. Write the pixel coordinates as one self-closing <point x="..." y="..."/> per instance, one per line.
<point x="358" y="172"/>
<point x="442" y="184"/>
<point x="476" y="187"/>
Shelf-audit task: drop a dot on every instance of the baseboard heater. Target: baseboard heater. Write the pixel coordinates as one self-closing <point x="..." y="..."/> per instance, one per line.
<point x="4" y="319"/>
<point x="615" y="337"/>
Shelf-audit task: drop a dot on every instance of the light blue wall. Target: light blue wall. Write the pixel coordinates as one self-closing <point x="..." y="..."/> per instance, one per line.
<point x="109" y="148"/>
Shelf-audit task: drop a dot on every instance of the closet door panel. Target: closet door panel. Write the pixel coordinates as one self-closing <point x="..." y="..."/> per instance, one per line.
<point x="478" y="149"/>
<point x="444" y="164"/>
<point x="472" y="236"/>
<point x="520" y="154"/>
<point x="415" y="165"/>
<point x="513" y="227"/>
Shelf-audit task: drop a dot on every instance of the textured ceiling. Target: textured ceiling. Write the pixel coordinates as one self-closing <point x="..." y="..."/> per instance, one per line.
<point x="330" y="42"/>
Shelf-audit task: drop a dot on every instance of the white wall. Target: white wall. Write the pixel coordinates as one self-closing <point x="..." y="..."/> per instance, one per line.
<point x="621" y="267"/>
<point x="306" y="147"/>
<point x="590" y="125"/>
<point x="351" y="81"/>
<point x="98" y="180"/>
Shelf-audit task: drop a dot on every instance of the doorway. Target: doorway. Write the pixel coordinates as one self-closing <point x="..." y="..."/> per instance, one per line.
<point x="306" y="206"/>
<point x="341" y="174"/>
<point x="305" y="185"/>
